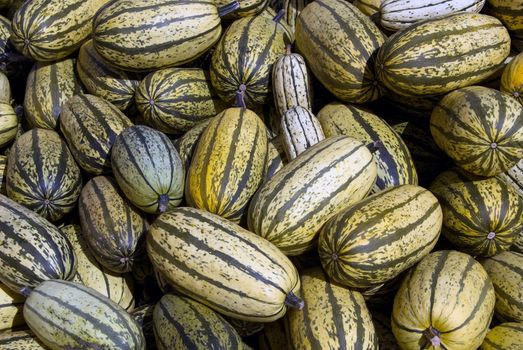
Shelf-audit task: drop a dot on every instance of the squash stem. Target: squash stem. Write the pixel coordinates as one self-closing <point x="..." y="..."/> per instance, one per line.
<point x="292" y="300"/>
<point x="240" y="96"/>
<point x="374" y="146"/>
<point x="226" y="9"/>
<point x="432" y="335"/>
<point x="288" y="49"/>
<point x="163" y="203"/>
<point x="25" y="291"/>
<point x="279" y="16"/>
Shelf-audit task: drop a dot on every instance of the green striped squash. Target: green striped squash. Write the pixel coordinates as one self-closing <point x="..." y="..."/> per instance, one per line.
<point x="247" y="8"/>
<point x="228" y="164"/>
<point x="173" y="100"/>
<point x="5" y="88"/>
<point x="90" y="273"/>
<point x="143" y="315"/>
<point x="20" y="340"/>
<point x="112" y="227"/>
<point x="126" y="33"/>
<point x="510" y="13"/>
<point x="181" y="323"/>
<point x="33" y="249"/>
<point x="368" y="7"/>
<point x="8" y="124"/>
<point x="514" y="178"/>
<point x="376" y="239"/>
<point x="300" y="131"/>
<point x="11" y="305"/>
<point x="293" y="9"/>
<point x="480" y="216"/>
<point x="49" y="86"/>
<point x="68" y="315"/>
<point x="244" y="58"/>
<point x="222" y="265"/>
<point x="148" y="169"/>
<point x="276" y="158"/>
<point x="283" y="26"/>
<point x="90" y="126"/>
<point x="102" y="80"/>
<point x="399" y="14"/>
<point x="337" y="41"/>
<point x="186" y="144"/>
<point x="442" y="54"/>
<point x="506" y="272"/>
<point x="479" y="128"/>
<point x="512" y="78"/>
<point x="392" y="157"/>
<point x="290" y="209"/>
<point x="3" y="174"/>
<point x="42" y="174"/>
<point x="334" y="317"/>
<point x="506" y="336"/>
<point x="291" y="85"/>
<point x="445" y="302"/>
<point x="273" y="336"/>
<point x="5" y="33"/>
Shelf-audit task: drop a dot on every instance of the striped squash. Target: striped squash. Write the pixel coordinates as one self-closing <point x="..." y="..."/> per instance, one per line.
<point x="8" y="124"/>
<point x="337" y="41"/>
<point x="49" y="30"/>
<point x="186" y="144"/>
<point x="283" y="26"/>
<point x="334" y="317"/>
<point x="392" y="157"/>
<point x="143" y="315"/>
<point x="126" y="32"/>
<point x="399" y="14"/>
<point x="5" y="34"/>
<point x="289" y="209"/>
<point x="228" y="164"/>
<point x="112" y="227"/>
<point x="173" y="100"/>
<point x="5" y="87"/>
<point x="510" y="13"/>
<point x="442" y="54"/>
<point x="181" y="323"/>
<point x="300" y="131"/>
<point x="49" y="86"/>
<point x="444" y="283"/>
<point x="293" y="9"/>
<point x="506" y="336"/>
<point x="11" y="305"/>
<point x="273" y="336"/>
<point x="247" y="8"/>
<point x="291" y="85"/>
<point x="383" y="326"/>
<point x="243" y="59"/>
<point x="3" y="174"/>
<point x="68" y="315"/>
<point x="42" y="174"/>
<point x="506" y="272"/>
<point x="222" y="265"/>
<point x="20" y="340"/>
<point x="276" y="158"/>
<point x="480" y="216"/>
<point x="33" y="249"/>
<point x="368" y="7"/>
<point x="376" y="239"/>
<point x="90" y="126"/>
<point x="102" y="80"/>
<point x="148" y="169"/>
<point x="479" y="128"/>
<point x="514" y="178"/>
<point x="90" y="273"/>
<point x="512" y="78"/>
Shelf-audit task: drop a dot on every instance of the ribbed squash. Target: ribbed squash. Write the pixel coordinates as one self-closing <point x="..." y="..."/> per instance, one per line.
<point x="5" y="88"/>
<point x="479" y="128"/>
<point x="102" y="80"/>
<point x="11" y="305"/>
<point x="3" y="174"/>
<point x="144" y="35"/>
<point x="20" y="340"/>
<point x="186" y="144"/>
<point x="33" y="249"/>
<point x="143" y="315"/>
<point x="90" y="126"/>
<point x="443" y="54"/>
<point x="148" y="169"/>
<point x="68" y="315"/>
<point x="228" y="164"/>
<point x="48" y="30"/>
<point x="8" y="124"/>
<point x="510" y="13"/>
<point x="300" y="131"/>
<point x="222" y="265"/>
<point x="42" y="174"/>
<point x="293" y="9"/>
<point x="181" y="323"/>
<point x="90" y="273"/>
<point x="376" y="239"/>
<point x="506" y="336"/>
<point x="247" y="8"/>
<point x="283" y="26"/>
<point x="368" y="7"/>
<point x="290" y="208"/>
<point x="480" y="216"/>
<point x="276" y="158"/>
<point x="392" y="157"/>
<point x="112" y="227"/>
<point x="334" y="317"/>
<point x="337" y="41"/>
<point x="243" y="59"/>
<point x="512" y="78"/>
<point x="506" y="272"/>
<point x="445" y="302"/>
<point x="49" y="86"/>
<point x="173" y="100"/>
<point x="5" y="33"/>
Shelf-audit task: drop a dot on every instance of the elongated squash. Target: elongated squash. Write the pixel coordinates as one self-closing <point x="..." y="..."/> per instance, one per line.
<point x="509" y="13"/>
<point x="11" y="306"/>
<point x="186" y="144"/>
<point x="506" y="336"/>
<point x="20" y="340"/>
<point x="300" y="131"/>
<point x="8" y="124"/>
<point x="247" y="8"/>
<point x="222" y="265"/>
<point x="512" y="78"/>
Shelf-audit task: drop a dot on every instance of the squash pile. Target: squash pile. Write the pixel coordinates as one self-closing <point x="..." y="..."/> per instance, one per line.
<point x="261" y="174"/>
